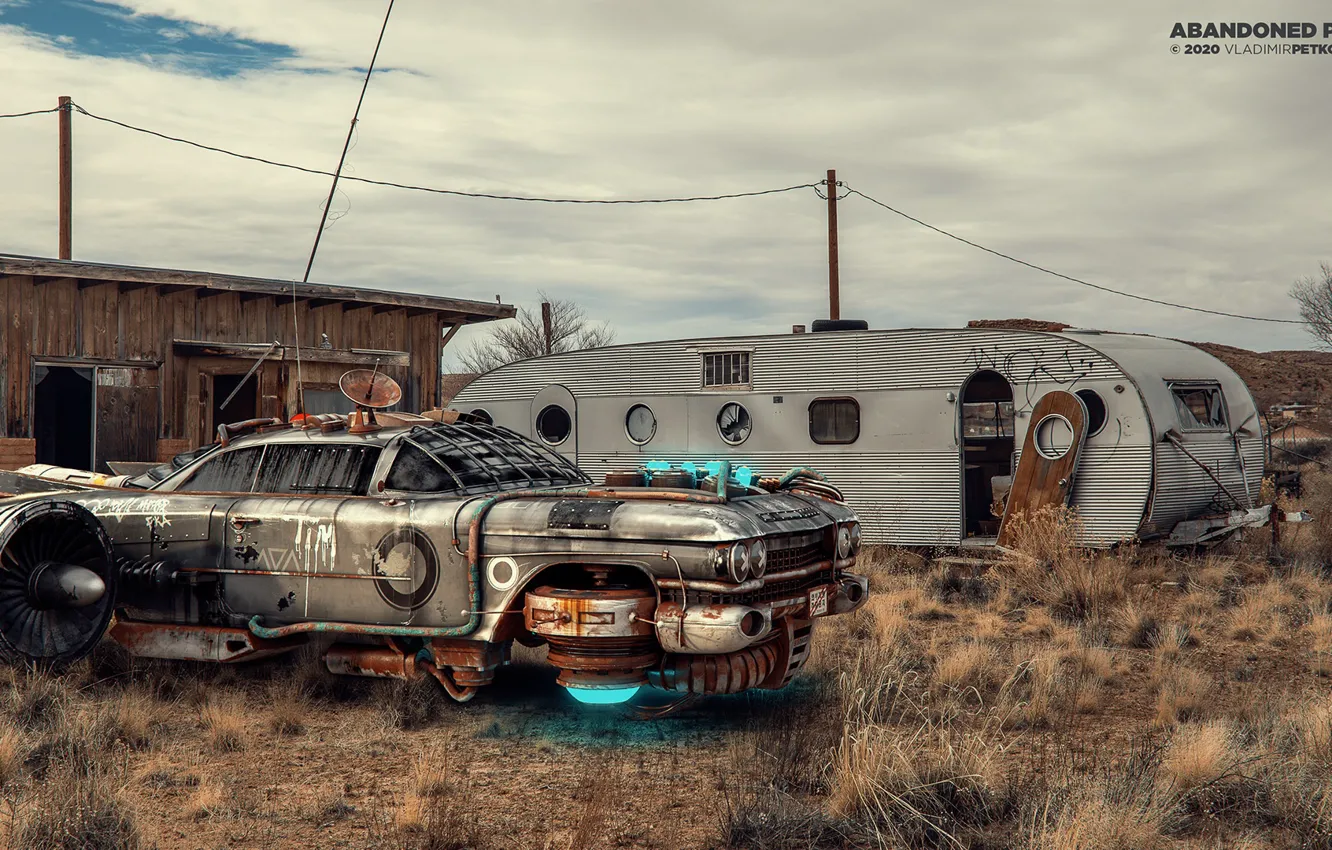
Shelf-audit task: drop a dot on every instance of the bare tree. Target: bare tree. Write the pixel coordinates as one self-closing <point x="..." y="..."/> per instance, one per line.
<point x="1314" y="296"/>
<point x="525" y="336"/>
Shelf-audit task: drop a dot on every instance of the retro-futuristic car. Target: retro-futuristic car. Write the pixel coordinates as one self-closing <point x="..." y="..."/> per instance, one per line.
<point x="426" y="546"/>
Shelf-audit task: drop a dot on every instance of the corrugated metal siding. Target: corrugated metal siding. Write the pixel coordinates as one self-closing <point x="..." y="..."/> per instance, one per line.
<point x="902" y="498"/>
<point x="1182" y="489"/>
<point x="913" y="499"/>
<point x="840" y="362"/>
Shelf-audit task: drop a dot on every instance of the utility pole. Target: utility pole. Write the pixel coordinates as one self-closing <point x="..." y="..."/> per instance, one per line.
<point x="66" y="203"/>
<point x="834" y="296"/>
<point x="545" y="322"/>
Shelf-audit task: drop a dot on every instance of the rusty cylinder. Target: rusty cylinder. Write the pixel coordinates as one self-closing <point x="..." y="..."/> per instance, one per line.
<point x="383" y="662"/>
<point x="715" y="674"/>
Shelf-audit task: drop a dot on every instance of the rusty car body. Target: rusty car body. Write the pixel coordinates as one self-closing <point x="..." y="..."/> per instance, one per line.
<point x="426" y="548"/>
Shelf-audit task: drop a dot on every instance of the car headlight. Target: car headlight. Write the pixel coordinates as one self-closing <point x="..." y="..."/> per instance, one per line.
<point x="758" y="558"/>
<point x="855" y="538"/>
<point x="844" y="542"/>
<point x="738" y="563"/>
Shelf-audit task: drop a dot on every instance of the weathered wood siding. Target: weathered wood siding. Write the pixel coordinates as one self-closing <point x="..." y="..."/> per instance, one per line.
<point x="134" y="323"/>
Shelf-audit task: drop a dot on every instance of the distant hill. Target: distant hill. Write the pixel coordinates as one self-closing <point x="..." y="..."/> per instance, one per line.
<point x="1274" y="377"/>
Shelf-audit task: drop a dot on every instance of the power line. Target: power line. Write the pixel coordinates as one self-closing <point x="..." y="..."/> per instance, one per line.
<point x="33" y="112"/>
<point x="1062" y="276"/>
<point x="332" y="190"/>
<point x="437" y="191"/>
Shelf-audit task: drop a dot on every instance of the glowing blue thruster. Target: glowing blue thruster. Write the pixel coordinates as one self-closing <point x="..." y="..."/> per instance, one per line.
<point x="603" y="696"/>
<point x="744" y="476"/>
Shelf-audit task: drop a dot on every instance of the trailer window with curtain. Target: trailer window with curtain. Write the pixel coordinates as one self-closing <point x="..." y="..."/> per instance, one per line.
<point x="834" y="420"/>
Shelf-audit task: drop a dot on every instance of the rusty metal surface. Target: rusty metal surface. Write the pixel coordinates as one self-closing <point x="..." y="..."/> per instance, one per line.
<point x="384" y="662"/>
<point x="609" y="612"/>
<point x="716" y="674"/>
<point x="197" y="643"/>
<point x="710" y="629"/>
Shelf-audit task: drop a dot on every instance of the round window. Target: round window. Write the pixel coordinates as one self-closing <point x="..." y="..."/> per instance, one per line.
<point x="1095" y="411"/>
<point x="1054" y="435"/>
<point x="733" y="423"/>
<point x="640" y="423"/>
<point x="483" y="416"/>
<point x="553" y="424"/>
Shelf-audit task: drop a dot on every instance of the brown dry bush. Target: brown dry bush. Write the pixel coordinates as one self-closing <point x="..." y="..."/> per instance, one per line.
<point x="1046" y="566"/>
<point x="224" y="719"/>
<point x="76" y="811"/>
<point x="1181" y="695"/>
<point x="1316" y="498"/>
<point x="34" y="700"/>
<point x="287" y="712"/>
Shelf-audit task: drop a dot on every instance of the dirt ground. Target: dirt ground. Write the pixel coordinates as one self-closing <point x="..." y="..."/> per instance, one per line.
<point x="1059" y="699"/>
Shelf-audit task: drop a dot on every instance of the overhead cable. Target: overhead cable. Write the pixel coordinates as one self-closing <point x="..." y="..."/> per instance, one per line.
<point x="1062" y="276"/>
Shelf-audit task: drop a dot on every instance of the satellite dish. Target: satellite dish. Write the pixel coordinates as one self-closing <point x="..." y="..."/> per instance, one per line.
<point x="369" y="390"/>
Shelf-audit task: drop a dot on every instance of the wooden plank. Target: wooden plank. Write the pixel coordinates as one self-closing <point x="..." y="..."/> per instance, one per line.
<point x="1040" y="481"/>
<point x="127" y="404"/>
<point x="20" y="299"/>
<point x="53" y="332"/>
<point x="478" y="310"/>
<point x="251" y="352"/>
<point x="100" y="322"/>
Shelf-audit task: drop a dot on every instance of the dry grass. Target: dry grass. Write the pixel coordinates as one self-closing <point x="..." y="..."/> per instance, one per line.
<point x="1181" y="695"/>
<point x="287" y="713"/>
<point x="79" y="812"/>
<point x="209" y="799"/>
<point x="1046" y="567"/>
<point x="1199" y="754"/>
<point x="224" y="719"/>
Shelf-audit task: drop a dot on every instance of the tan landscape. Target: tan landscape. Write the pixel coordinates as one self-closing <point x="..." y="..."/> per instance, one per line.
<point x="1059" y="699"/>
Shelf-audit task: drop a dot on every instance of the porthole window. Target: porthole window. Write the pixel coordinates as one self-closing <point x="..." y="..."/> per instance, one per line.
<point x="553" y="424"/>
<point x="834" y="420"/>
<point x="1095" y="411"/>
<point x="733" y="423"/>
<point x="1054" y="437"/>
<point x="483" y="416"/>
<point x="640" y="423"/>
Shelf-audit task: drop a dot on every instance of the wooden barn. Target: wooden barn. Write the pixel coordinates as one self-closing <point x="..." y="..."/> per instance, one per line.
<point x="121" y="363"/>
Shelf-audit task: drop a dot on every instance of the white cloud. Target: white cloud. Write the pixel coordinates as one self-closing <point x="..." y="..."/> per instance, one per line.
<point x="1074" y="140"/>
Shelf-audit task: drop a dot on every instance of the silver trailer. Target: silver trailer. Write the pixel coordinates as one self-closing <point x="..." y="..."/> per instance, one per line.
<point x="919" y="428"/>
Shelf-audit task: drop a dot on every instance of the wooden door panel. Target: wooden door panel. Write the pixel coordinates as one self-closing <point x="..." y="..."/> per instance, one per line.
<point x="128" y="406"/>
<point x="1043" y="479"/>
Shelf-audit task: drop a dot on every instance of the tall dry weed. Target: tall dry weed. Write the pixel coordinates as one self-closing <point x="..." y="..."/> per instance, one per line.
<point x="1047" y="566"/>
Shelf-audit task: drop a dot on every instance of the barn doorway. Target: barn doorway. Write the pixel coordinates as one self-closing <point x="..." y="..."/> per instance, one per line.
<point x="986" y="428"/>
<point x="62" y="421"/>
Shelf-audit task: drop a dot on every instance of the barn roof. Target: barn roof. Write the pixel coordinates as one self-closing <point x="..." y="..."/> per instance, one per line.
<point x="453" y="310"/>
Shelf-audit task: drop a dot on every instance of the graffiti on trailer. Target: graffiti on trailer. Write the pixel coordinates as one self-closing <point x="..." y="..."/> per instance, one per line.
<point x="1027" y="367"/>
<point x="316" y="545"/>
<point x="153" y="509"/>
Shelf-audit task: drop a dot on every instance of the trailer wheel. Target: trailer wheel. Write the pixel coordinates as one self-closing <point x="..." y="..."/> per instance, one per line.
<point x="57" y="583"/>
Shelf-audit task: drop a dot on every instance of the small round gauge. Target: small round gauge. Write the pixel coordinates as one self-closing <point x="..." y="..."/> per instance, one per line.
<point x="733" y="423"/>
<point x="640" y="423"/>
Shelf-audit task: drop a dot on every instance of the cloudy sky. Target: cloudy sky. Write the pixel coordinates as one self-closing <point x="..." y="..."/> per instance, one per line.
<point x="1072" y="139"/>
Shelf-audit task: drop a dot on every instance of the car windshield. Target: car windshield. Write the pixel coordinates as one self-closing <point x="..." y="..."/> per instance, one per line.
<point x="158" y="474"/>
<point x="472" y="458"/>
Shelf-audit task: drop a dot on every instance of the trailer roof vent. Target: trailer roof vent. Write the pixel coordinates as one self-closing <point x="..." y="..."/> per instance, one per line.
<point x="819" y="326"/>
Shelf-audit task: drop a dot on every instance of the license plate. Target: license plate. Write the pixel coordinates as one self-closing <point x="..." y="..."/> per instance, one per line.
<point x="818" y="602"/>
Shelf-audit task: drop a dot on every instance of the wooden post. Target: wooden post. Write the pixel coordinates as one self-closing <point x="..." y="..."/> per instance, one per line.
<point x="545" y="322"/>
<point x="834" y="296"/>
<point x="66" y="206"/>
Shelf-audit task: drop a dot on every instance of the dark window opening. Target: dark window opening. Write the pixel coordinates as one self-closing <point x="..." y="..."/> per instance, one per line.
<point x="834" y="420"/>
<point x="244" y="406"/>
<point x="228" y="472"/>
<point x="1095" y="411"/>
<point x="726" y="369"/>
<point x="63" y="416"/>
<point x="553" y="424"/>
<point x="341" y="469"/>
<point x="471" y="458"/>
